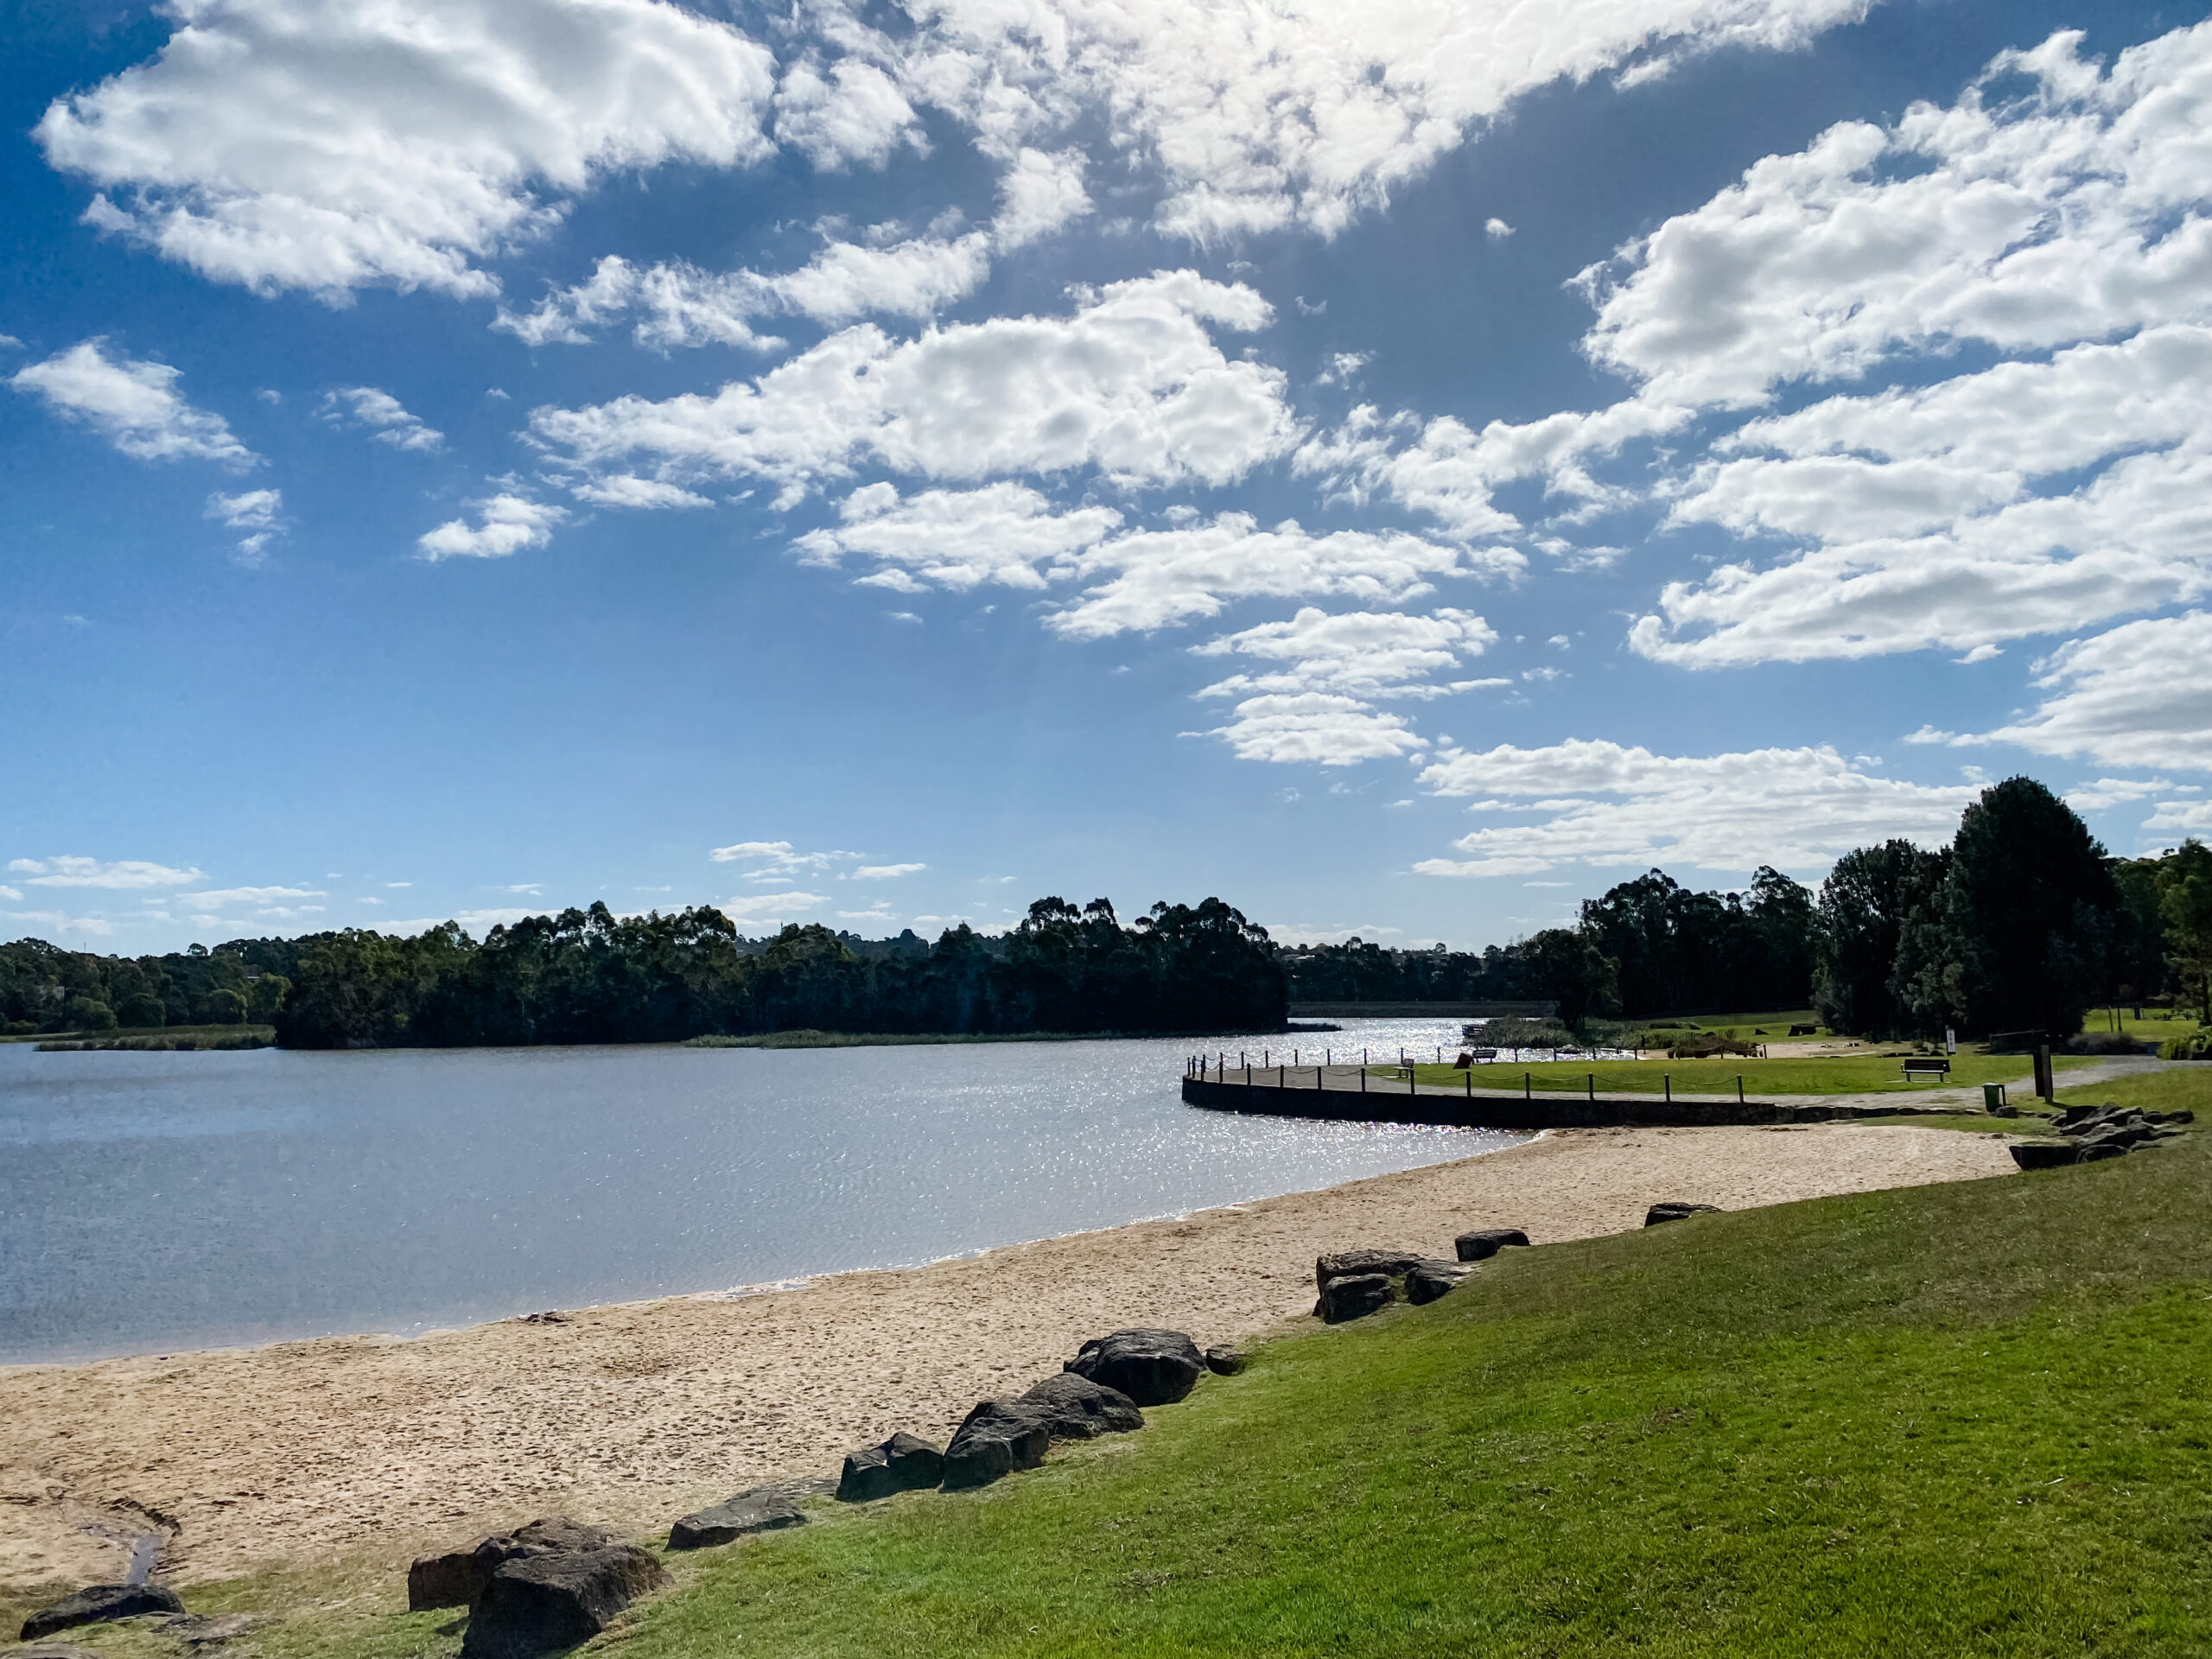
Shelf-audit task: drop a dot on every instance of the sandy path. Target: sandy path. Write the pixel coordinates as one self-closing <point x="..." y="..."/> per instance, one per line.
<point x="632" y="1414"/>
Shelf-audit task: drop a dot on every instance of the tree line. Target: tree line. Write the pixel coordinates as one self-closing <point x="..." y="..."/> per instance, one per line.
<point x="591" y="976"/>
<point x="2021" y="924"/>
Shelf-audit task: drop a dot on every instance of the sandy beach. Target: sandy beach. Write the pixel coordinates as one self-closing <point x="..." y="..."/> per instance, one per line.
<point x="630" y="1415"/>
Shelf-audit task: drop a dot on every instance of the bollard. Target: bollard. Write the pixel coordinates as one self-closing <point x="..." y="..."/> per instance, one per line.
<point x="1411" y="1088"/>
<point x="1471" y="1082"/>
<point x="1282" y="1077"/>
<point x="1593" y="1085"/>
<point x="1527" y="1088"/>
<point x="1670" y="1080"/>
<point x="1363" y="1079"/>
<point x="1739" y="1088"/>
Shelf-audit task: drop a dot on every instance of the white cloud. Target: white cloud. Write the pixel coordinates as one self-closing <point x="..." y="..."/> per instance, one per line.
<point x="250" y="509"/>
<point x="1597" y="803"/>
<point x="1259" y="118"/>
<point x="640" y="494"/>
<point x="884" y="872"/>
<point x="1288" y="933"/>
<point x="254" y="511"/>
<point x="2072" y="223"/>
<point x="1156" y="577"/>
<point x="750" y="849"/>
<point x="1131" y="385"/>
<point x="62" y="922"/>
<point x="852" y="112"/>
<point x="77" y="871"/>
<point x="776" y="860"/>
<point x="225" y="897"/>
<point x="372" y="407"/>
<point x="1039" y="194"/>
<point x="1497" y="229"/>
<point x="2118" y="792"/>
<point x="772" y="908"/>
<point x="956" y="539"/>
<point x="2191" y="818"/>
<point x="14" y="895"/>
<point x="133" y="403"/>
<point x="1318" y="706"/>
<point x="507" y="524"/>
<point x="2139" y="695"/>
<point x="326" y="145"/>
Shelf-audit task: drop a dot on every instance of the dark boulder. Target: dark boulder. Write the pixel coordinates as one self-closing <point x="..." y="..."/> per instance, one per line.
<point x="905" y="1463"/>
<point x="997" y="1437"/>
<point x="763" y="1509"/>
<point x="1391" y="1264"/>
<point x="1154" y="1368"/>
<point x="1674" y="1210"/>
<point x="1227" y="1362"/>
<point x="1353" y="1297"/>
<point x="457" y="1578"/>
<point x="541" y="1603"/>
<point x="1077" y="1409"/>
<point x="97" y="1604"/>
<point x="209" y="1630"/>
<point x="1428" y="1280"/>
<point x="2045" y="1154"/>
<point x="557" y="1532"/>
<point x="1485" y="1243"/>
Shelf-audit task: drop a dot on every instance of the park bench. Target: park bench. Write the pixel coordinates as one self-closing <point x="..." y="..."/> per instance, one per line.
<point x="1930" y="1066"/>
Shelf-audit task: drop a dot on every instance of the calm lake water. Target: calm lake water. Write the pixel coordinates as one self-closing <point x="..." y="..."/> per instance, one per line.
<point x="157" y="1202"/>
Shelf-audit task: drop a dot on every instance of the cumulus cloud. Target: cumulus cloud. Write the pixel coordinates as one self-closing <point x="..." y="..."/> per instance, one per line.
<point x="1039" y="194"/>
<point x="2139" y="695"/>
<point x="1153" y="578"/>
<point x="848" y="111"/>
<point x="1318" y="705"/>
<point x="387" y="419"/>
<point x="326" y="145"/>
<point x="2069" y="231"/>
<point x="1257" y="118"/>
<point x="62" y="922"/>
<point x="1597" y="803"/>
<point x="255" y="512"/>
<point x="885" y="872"/>
<point x="1132" y="384"/>
<point x="79" y="871"/>
<point x="133" y="403"/>
<point x="772" y="908"/>
<point x="504" y="524"/>
<point x="955" y="538"/>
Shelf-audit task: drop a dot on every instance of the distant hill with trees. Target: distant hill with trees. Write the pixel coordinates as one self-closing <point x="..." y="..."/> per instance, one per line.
<point x="2021" y="924"/>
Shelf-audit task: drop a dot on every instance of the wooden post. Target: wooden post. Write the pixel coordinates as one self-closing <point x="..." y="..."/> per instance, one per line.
<point x="1668" y="1077"/>
<point x="1592" y="1081"/>
<point x="1527" y="1088"/>
<point x="1739" y="1088"/>
<point x="1363" y="1079"/>
<point x="1471" y="1082"/>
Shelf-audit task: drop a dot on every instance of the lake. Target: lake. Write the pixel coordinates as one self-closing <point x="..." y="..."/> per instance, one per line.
<point x="164" y="1201"/>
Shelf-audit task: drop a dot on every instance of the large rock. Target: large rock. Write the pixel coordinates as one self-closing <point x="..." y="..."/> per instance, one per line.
<point x="1675" y="1209"/>
<point x="997" y="1437"/>
<point x="1391" y="1264"/>
<point x="1352" y="1297"/>
<point x="541" y="1604"/>
<point x="1486" y="1242"/>
<point x="208" y="1629"/>
<point x="457" y="1578"/>
<point x="763" y="1509"/>
<point x="1154" y="1368"/>
<point x="97" y="1604"/>
<point x="1077" y="1409"/>
<point x="1427" y="1280"/>
<point x="2045" y="1154"/>
<point x="905" y="1463"/>
<point x="1227" y="1362"/>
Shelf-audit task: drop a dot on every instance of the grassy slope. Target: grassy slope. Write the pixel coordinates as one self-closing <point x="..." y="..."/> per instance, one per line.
<point x="1962" y="1419"/>
<point x="1851" y="1074"/>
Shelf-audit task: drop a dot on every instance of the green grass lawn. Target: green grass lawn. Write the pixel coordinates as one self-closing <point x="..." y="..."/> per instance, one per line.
<point x="1963" y="1420"/>
<point x="1848" y="1074"/>
<point x="1774" y="1025"/>
<point x="2155" y="1025"/>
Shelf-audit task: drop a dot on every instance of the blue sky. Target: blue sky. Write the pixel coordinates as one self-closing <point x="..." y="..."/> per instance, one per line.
<point x="1399" y="467"/>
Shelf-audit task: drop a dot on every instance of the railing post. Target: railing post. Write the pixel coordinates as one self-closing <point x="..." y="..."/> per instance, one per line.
<point x="1592" y="1081"/>
<point x="1669" y="1078"/>
<point x="1527" y="1088"/>
<point x="1363" y="1079"/>
<point x="1739" y="1088"/>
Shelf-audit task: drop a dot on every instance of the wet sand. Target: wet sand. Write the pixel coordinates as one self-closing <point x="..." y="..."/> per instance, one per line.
<point x="630" y="1415"/>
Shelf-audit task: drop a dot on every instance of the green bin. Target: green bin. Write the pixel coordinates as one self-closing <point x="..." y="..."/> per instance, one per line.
<point x="1993" y="1096"/>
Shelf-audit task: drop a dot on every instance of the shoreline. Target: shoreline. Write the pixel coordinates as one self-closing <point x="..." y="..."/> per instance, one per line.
<point x="629" y="1413"/>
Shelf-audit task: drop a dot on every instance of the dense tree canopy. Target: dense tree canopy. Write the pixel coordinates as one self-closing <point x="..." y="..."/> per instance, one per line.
<point x="2020" y="924"/>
